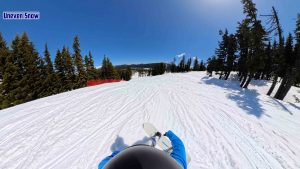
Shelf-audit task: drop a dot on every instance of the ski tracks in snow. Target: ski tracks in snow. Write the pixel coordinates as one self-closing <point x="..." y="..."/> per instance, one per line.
<point x="78" y="129"/>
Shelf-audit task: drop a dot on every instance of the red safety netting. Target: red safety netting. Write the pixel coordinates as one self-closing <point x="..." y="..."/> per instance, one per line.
<point x="97" y="82"/>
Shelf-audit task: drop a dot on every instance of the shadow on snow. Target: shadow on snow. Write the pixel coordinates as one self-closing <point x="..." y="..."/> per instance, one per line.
<point x="119" y="144"/>
<point x="246" y="99"/>
<point x="282" y="106"/>
<point x="295" y="106"/>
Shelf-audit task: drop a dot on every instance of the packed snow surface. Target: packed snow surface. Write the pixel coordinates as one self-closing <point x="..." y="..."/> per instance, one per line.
<point x="222" y="125"/>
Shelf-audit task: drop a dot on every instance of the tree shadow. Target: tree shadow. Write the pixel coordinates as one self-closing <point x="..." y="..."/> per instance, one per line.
<point x="245" y="98"/>
<point x="205" y="77"/>
<point x="295" y="106"/>
<point x="282" y="105"/>
<point x="259" y="82"/>
<point x="297" y="100"/>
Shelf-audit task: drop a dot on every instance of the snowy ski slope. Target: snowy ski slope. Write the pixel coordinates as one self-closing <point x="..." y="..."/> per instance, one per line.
<point x="221" y="125"/>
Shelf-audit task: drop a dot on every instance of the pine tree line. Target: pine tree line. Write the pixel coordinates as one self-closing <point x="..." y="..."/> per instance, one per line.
<point x="26" y="76"/>
<point x="153" y="70"/>
<point x="183" y="66"/>
<point x="186" y="66"/>
<point x="158" y="69"/>
<point x="251" y="52"/>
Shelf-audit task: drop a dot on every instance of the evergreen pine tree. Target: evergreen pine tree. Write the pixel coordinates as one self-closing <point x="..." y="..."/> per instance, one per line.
<point x="158" y="69"/>
<point x="188" y="64"/>
<point x="4" y="52"/>
<point x="256" y="56"/>
<point x="68" y="68"/>
<point x="107" y="70"/>
<point x="268" y="60"/>
<point x="93" y="73"/>
<point x="246" y="36"/>
<point x="231" y="54"/>
<point x="42" y="86"/>
<point x="257" y="37"/>
<point x="297" y="50"/>
<point x="209" y="67"/>
<point x="221" y="52"/>
<point x="128" y="74"/>
<point x="5" y="67"/>
<point x="79" y="68"/>
<point x="279" y="51"/>
<point x="49" y="82"/>
<point x="125" y="74"/>
<point x="196" y="64"/>
<point x="12" y="76"/>
<point x="173" y="67"/>
<point x="291" y="64"/>
<point x="182" y="65"/>
<point x="60" y="73"/>
<point x="250" y="10"/>
<point x="87" y="65"/>
<point x="49" y="64"/>
<point x="91" y="61"/>
<point x="202" y="66"/>
<point x="21" y="76"/>
<point x="226" y="53"/>
<point x="243" y="36"/>
<point x="30" y="80"/>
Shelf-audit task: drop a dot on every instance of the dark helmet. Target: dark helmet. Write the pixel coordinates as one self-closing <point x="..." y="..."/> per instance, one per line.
<point x="142" y="157"/>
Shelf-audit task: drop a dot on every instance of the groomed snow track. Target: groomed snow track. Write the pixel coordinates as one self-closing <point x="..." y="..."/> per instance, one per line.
<point x="221" y="125"/>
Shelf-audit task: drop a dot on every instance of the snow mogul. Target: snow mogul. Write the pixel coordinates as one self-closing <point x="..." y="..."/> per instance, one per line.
<point x="148" y="157"/>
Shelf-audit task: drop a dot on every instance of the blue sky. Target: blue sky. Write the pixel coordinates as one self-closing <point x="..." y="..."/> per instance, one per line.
<point x="136" y="31"/>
